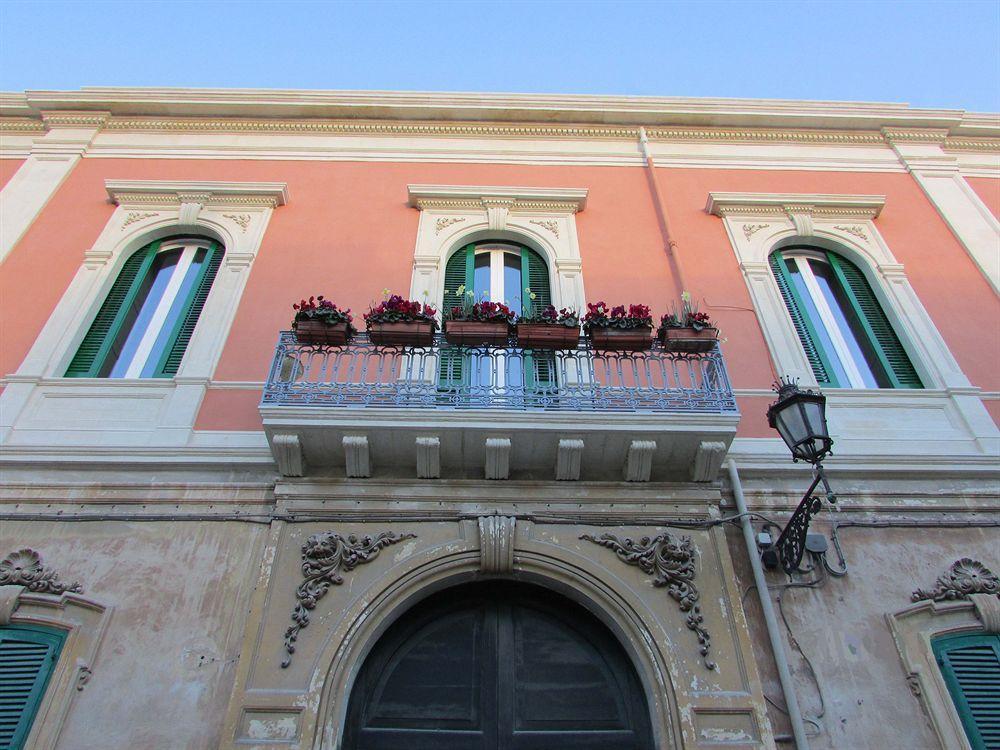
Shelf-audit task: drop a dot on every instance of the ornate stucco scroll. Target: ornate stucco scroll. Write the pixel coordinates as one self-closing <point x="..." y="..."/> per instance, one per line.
<point x="324" y="557"/>
<point x="24" y="568"/>
<point x="671" y="562"/>
<point x="964" y="578"/>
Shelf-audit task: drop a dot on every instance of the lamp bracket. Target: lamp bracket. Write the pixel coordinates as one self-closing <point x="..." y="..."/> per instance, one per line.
<point x="791" y="544"/>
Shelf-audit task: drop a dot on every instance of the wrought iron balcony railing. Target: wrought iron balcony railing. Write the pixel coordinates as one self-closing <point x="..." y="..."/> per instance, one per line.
<point x="361" y="374"/>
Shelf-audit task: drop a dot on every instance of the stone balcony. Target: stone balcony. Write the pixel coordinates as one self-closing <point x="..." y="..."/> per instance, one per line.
<point x="443" y="411"/>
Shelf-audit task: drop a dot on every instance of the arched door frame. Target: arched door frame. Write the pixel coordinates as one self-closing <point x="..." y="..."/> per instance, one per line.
<point x="624" y="618"/>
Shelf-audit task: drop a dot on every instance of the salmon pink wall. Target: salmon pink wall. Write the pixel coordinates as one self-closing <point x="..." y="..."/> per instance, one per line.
<point x="347" y="233"/>
<point x="7" y="169"/>
<point x="988" y="190"/>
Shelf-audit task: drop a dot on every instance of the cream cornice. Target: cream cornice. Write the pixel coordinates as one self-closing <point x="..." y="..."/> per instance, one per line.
<point x="165" y="192"/>
<point x="560" y="200"/>
<point x="777" y="204"/>
<point x="650" y="112"/>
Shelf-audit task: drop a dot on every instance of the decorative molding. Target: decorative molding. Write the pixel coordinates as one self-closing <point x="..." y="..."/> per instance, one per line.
<point x="357" y="456"/>
<point x="21" y="125"/>
<point x="987" y="610"/>
<point x="639" y="461"/>
<point x="444" y="222"/>
<point x="972" y="144"/>
<point x="24" y="568"/>
<point x="708" y="460"/>
<point x="965" y="577"/>
<point x="324" y="557"/>
<point x="335" y="127"/>
<point x="515" y="199"/>
<point x="766" y="135"/>
<point x="750" y="229"/>
<point x="569" y="460"/>
<point x="858" y="232"/>
<point x="172" y="193"/>
<point x="288" y="454"/>
<point x="497" y="211"/>
<point x="243" y="220"/>
<point x="497" y="458"/>
<point x="66" y="119"/>
<point x="787" y="204"/>
<point x="9" y="596"/>
<point x="133" y="216"/>
<point x="551" y="224"/>
<point x="917" y="135"/>
<point x="428" y="458"/>
<point x="671" y="562"/>
<point x="496" y="544"/>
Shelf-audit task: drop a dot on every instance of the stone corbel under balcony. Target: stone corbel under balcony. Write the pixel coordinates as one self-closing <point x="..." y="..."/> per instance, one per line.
<point x="497" y="444"/>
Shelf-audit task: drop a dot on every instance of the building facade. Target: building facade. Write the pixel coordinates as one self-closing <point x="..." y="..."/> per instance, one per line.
<point x="214" y="535"/>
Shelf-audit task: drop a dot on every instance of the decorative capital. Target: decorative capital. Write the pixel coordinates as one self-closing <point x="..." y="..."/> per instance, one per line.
<point x="671" y="562"/>
<point x="964" y="577"/>
<point x="24" y="568"/>
<point x="324" y="557"/>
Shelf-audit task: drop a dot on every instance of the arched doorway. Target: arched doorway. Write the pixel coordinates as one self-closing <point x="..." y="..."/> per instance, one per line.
<point x="497" y="666"/>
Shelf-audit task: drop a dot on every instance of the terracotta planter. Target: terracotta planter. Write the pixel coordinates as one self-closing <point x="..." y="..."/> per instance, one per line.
<point x="689" y="340"/>
<point x="547" y="336"/>
<point x="402" y="333"/>
<point x="476" y="333"/>
<point x="621" y="339"/>
<point x="318" y="332"/>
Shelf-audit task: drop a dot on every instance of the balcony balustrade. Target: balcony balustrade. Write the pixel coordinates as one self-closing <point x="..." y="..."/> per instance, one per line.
<point x="444" y="376"/>
<point x="342" y="405"/>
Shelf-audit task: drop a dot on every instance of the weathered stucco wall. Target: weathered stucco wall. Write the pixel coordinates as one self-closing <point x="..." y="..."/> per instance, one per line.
<point x="177" y="594"/>
<point x="840" y="625"/>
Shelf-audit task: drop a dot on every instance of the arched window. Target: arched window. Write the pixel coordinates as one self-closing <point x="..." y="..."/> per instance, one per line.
<point x="499" y="272"/>
<point x="28" y="654"/>
<point x="147" y="319"/>
<point x="970" y="665"/>
<point x="846" y="335"/>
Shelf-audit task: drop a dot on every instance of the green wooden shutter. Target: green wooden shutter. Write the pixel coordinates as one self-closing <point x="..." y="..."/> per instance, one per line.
<point x="96" y="344"/>
<point x="970" y="665"/>
<point x="803" y="326"/>
<point x="884" y="341"/>
<point x="458" y="271"/>
<point x="186" y="321"/>
<point x="28" y="655"/>
<point x="539" y="367"/>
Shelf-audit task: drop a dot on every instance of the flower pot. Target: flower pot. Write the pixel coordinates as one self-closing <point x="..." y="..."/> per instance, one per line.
<point x="402" y="333"/>
<point x="476" y="333"/>
<point x="689" y="340"/>
<point x="621" y="339"/>
<point x="547" y="336"/>
<point x="318" y="332"/>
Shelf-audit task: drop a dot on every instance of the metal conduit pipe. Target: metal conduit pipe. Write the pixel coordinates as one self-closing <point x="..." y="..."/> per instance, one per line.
<point x="770" y="621"/>
<point x="670" y="246"/>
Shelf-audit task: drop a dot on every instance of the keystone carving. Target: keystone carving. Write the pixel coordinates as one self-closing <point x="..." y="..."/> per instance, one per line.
<point x="671" y="562"/>
<point x="24" y="568"/>
<point x="324" y="557"/>
<point x="964" y="577"/>
<point x="496" y="544"/>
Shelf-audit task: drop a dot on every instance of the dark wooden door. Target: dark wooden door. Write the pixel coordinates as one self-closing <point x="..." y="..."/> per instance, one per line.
<point x="497" y="666"/>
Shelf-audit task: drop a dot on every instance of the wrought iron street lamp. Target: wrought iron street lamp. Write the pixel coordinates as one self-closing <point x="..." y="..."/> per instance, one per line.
<point x="799" y="416"/>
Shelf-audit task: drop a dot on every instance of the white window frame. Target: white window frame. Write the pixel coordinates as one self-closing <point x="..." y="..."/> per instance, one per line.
<point x="864" y="421"/>
<point x="544" y="219"/>
<point x="41" y="407"/>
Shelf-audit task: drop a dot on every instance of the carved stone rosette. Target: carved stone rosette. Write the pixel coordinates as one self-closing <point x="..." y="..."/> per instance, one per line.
<point x="671" y="562"/>
<point x="964" y="577"/>
<point x="324" y="557"/>
<point x="24" y="568"/>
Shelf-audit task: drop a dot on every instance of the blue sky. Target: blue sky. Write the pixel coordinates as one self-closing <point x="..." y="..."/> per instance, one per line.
<point x="940" y="54"/>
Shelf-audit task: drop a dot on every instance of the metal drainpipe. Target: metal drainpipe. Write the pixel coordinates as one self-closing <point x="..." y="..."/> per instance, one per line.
<point x="661" y="212"/>
<point x="763" y="593"/>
